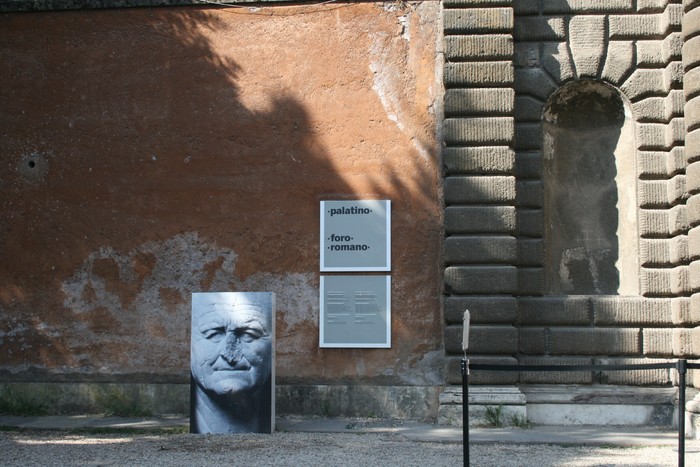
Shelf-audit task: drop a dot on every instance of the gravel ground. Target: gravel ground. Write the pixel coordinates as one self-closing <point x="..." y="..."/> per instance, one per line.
<point x="48" y="448"/>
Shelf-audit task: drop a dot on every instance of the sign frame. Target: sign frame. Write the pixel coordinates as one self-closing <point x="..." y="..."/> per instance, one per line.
<point x="352" y="231"/>
<point x="326" y="342"/>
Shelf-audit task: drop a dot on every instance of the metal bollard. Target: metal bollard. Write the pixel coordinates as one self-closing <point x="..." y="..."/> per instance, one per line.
<point x="465" y="410"/>
<point x="465" y="388"/>
<point x="682" y="367"/>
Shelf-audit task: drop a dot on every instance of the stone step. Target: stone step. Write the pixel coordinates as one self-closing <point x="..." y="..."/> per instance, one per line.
<point x="489" y="406"/>
<point x="565" y="405"/>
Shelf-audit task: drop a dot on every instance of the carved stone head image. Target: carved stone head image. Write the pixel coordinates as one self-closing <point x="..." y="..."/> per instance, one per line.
<point x="232" y="362"/>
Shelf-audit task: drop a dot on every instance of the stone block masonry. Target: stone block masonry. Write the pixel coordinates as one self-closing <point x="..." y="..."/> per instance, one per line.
<point x="640" y="49"/>
<point x="687" y="341"/>
<point x="483" y="159"/>
<point x="474" y="249"/>
<point x="480" y="219"/>
<point x="483" y="339"/>
<point x="480" y="187"/>
<point x="492" y="309"/>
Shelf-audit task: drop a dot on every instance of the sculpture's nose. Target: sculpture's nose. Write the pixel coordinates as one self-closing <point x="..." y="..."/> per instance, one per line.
<point x="232" y="352"/>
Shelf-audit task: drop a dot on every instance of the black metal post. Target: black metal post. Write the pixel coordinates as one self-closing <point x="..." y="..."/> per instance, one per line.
<point x="465" y="410"/>
<point x="682" y="367"/>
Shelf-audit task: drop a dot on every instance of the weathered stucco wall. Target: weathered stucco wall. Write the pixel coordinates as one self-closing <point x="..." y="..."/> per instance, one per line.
<point x="150" y="153"/>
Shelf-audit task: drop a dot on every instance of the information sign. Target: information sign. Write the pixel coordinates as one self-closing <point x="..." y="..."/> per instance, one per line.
<point x="355" y="235"/>
<point x="355" y="311"/>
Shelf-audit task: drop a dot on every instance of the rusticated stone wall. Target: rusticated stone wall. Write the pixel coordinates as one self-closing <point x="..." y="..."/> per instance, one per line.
<point x="495" y="215"/>
<point x="690" y="333"/>
<point x="481" y="245"/>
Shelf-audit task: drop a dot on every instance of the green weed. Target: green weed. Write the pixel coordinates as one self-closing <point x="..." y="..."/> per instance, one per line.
<point x="519" y="421"/>
<point x="494" y="415"/>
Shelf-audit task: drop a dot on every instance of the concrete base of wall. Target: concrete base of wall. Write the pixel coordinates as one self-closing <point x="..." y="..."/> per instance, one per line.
<point x="601" y="405"/>
<point x="562" y="405"/>
<point x="131" y="399"/>
<point x="692" y="425"/>
<point x="408" y="402"/>
<point x="489" y="406"/>
<point x="120" y="399"/>
<point x="692" y="418"/>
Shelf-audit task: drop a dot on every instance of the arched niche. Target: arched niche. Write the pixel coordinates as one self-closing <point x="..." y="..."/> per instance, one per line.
<point x="590" y="207"/>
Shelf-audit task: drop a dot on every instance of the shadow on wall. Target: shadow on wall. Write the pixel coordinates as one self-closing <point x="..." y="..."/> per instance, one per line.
<point x="151" y="153"/>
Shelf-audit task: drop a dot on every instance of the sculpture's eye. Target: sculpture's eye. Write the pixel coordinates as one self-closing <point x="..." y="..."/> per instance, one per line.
<point x="250" y="333"/>
<point x="213" y="332"/>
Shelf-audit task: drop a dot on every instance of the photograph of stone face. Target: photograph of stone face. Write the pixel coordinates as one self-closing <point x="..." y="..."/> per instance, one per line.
<point x="232" y="362"/>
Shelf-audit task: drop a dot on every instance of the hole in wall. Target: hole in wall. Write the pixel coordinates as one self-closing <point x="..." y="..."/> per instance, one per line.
<point x="33" y="167"/>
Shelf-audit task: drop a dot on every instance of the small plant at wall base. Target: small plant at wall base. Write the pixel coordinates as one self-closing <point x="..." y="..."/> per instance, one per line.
<point x="494" y="416"/>
<point x="519" y="421"/>
<point x="326" y="409"/>
<point x="13" y="402"/>
<point x="118" y="404"/>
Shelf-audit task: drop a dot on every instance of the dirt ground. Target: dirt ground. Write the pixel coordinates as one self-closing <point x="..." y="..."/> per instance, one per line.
<point x="47" y="448"/>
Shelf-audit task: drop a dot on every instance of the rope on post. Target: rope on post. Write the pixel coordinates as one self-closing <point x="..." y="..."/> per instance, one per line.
<point x="681" y="366"/>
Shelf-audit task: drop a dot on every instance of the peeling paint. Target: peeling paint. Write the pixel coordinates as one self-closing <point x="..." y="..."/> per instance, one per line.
<point x="427" y="370"/>
<point x="297" y="293"/>
<point x="383" y="75"/>
<point x="140" y="300"/>
<point x="387" y="78"/>
<point x="179" y="263"/>
<point x="146" y="292"/>
<point x="17" y="331"/>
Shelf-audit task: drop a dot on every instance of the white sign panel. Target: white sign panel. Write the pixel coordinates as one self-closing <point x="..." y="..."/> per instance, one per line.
<point x="355" y="235"/>
<point x="355" y="311"/>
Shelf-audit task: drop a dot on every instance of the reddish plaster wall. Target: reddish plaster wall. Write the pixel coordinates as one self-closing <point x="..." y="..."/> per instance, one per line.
<point x="149" y="153"/>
